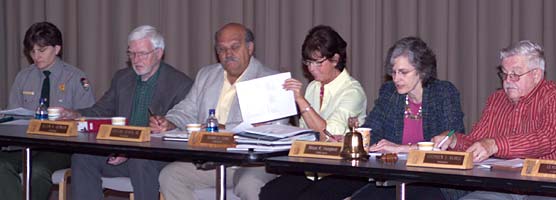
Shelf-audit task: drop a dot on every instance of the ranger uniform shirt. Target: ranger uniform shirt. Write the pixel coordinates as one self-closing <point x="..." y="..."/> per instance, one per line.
<point x="69" y="87"/>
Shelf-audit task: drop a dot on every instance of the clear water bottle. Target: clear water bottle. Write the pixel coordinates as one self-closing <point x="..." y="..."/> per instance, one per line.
<point x="212" y="122"/>
<point x="42" y="111"/>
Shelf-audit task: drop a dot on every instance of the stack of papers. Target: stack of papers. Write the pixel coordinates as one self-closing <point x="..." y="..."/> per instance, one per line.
<point x="272" y="137"/>
<point x="175" y="135"/>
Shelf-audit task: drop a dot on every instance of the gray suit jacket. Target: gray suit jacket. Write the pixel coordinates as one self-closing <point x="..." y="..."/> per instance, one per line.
<point x="205" y="93"/>
<point x="171" y="87"/>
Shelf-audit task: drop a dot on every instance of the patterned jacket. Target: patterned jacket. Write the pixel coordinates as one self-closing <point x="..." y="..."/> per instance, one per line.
<point x="441" y="111"/>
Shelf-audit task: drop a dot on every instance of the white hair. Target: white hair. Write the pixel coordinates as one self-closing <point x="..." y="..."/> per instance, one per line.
<point x="531" y="50"/>
<point x="147" y="31"/>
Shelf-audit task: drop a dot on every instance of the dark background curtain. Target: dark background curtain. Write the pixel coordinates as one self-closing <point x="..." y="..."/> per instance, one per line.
<point x="466" y="35"/>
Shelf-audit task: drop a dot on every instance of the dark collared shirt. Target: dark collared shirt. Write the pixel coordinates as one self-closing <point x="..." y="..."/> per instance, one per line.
<point x="144" y="91"/>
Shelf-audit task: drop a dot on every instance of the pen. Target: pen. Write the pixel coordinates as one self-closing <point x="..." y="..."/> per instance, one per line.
<point x="330" y="136"/>
<point x="446" y="138"/>
<point x="152" y="115"/>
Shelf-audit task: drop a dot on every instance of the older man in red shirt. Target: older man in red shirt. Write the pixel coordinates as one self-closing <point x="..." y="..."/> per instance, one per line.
<point x="519" y="121"/>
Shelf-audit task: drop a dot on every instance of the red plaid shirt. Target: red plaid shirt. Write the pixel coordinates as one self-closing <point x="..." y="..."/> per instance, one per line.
<point x="526" y="129"/>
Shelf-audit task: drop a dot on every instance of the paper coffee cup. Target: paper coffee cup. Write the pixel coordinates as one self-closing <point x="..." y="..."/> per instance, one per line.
<point x="425" y="146"/>
<point x="118" y="121"/>
<point x="53" y="113"/>
<point x="366" y="133"/>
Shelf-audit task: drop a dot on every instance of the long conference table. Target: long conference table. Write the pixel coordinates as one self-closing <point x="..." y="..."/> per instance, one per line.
<point x="398" y="171"/>
<point x="15" y="135"/>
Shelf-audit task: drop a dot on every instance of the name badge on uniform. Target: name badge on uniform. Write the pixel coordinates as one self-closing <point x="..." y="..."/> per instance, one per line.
<point x="28" y="93"/>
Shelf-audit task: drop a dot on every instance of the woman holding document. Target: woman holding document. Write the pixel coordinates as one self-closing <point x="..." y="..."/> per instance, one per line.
<point x="411" y="108"/>
<point x="333" y="96"/>
<point x="330" y="99"/>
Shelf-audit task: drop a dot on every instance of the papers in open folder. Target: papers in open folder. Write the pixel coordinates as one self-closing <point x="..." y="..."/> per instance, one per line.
<point x="273" y="132"/>
<point x="272" y="137"/>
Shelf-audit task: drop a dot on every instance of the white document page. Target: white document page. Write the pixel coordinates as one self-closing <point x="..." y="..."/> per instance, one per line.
<point x="513" y="163"/>
<point x="241" y="127"/>
<point x="265" y="99"/>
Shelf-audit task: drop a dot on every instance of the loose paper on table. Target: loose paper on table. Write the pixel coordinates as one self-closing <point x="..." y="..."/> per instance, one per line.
<point x="489" y="163"/>
<point x="18" y="111"/>
<point x="265" y="99"/>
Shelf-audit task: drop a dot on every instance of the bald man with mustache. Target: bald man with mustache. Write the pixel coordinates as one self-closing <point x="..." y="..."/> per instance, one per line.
<point x="214" y="87"/>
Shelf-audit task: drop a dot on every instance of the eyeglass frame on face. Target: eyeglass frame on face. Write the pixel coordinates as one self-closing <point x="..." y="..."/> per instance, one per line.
<point x="140" y="55"/>
<point x="393" y="73"/>
<point x="316" y="63"/>
<point x="234" y="48"/>
<point x="516" y="77"/>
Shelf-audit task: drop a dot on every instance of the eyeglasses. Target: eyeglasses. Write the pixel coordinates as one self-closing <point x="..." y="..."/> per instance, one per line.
<point x="400" y="73"/>
<point x="140" y="55"/>
<point x="316" y="63"/>
<point x="234" y="48"/>
<point x="512" y="76"/>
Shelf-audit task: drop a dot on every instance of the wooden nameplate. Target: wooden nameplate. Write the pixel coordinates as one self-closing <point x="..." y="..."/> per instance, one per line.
<point x="309" y="149"/>
<point x="124" y="133"/>
<point x="219" y="140"/>
<point x="55" y="128"/>
<point x="539" y="168"/>
<point x="440" y="159"/>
